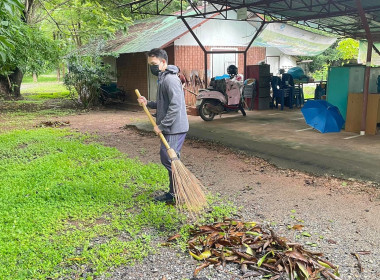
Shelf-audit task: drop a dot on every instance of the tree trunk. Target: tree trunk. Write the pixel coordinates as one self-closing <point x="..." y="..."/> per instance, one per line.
<point x="59" y="73"/>
<point x="10" y="86"/>
<point x="35" y="78"/>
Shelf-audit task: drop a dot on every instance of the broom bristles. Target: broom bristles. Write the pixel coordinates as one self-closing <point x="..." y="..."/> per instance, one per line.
<point x="188" y="190"/>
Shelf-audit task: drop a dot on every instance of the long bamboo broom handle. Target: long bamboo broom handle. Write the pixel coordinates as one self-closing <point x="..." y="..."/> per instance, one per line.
<point x="153" y="122"/>
<point x="190" y="91"/>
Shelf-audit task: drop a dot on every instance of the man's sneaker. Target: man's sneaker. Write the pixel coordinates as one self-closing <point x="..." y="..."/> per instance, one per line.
<point x="167" y="198"/>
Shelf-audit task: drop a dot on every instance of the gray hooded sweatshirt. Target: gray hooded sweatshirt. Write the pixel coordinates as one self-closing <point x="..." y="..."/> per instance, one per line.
<point x="171" y="109"/>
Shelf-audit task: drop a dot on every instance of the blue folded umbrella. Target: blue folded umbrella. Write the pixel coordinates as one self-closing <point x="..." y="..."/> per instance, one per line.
<point x="322" y="116"/>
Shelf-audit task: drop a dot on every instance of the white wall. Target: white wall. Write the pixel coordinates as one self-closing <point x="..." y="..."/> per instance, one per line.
<point x="224" y="33"/>
<point x="286" y="61"/>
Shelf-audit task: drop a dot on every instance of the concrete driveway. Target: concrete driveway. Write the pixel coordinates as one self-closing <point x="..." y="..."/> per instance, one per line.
<point x="283" y="139"/>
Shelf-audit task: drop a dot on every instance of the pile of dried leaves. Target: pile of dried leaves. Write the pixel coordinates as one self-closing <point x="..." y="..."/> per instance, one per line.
<point x="53" y="124"/>
<point x="259" y="252"/>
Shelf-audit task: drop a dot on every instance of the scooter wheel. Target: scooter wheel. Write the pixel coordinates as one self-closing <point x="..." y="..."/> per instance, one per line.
<point x="204" y="112"/>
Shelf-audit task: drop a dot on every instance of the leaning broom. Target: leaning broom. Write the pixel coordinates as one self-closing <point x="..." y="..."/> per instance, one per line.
<point x="188" y="190"/>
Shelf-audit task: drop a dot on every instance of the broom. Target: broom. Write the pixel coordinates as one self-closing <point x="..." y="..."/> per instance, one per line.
<point x="188" y="190"/>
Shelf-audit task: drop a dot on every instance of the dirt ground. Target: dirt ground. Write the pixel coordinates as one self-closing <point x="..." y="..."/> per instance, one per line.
<point x="341" y="215"/>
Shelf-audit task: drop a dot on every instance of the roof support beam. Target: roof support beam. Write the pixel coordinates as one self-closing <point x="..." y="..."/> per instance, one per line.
<point x="258" y="31"/>
<point x="202" y="47"/>
<point x="368" y="66"/>
<point x="376" y="49"/>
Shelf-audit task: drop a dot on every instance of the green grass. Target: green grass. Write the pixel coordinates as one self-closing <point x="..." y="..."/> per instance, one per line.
<point x="69" y="205"/>
<point x="54" y="188"/>
<point x="42" y="78"/>
<point x="308" y="91"/>
<point x="39" y="91"/>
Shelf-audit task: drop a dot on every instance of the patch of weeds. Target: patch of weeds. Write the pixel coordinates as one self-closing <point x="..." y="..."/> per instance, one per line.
<point x="55" y="112"/>
<point x="22" y="101"/>
<point x="219" y="209"/>
<point x="142" y="151"/>
<point x="55" y="189"/>
<point x="22" y="119"/>
<point x="162" y="217"/>
<point x="184" y="236"/>
<point x="61" y="94"/>
<point x="72" y="208"/>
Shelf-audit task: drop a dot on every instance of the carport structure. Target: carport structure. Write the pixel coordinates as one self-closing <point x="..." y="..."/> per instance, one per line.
<point x="358" y="19"/>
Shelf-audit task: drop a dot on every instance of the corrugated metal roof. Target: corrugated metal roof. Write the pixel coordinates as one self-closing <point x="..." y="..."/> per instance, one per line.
<point x="338" y="16"/>
<point x="150" y="33"/>
<point x="158" y="31"/>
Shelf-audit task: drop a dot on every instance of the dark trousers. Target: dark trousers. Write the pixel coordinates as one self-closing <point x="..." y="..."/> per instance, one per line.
<point x="175" y="142"/>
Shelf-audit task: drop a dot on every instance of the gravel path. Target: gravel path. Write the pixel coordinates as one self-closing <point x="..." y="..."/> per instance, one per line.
<point x="342" y="216"/>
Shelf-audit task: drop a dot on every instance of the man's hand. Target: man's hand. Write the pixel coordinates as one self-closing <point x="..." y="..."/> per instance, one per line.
<point x="142" y="100"/>
<point x="157" y="130"/>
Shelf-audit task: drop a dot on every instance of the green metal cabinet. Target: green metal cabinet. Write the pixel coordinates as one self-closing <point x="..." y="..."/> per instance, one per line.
<point x="340" y="82"/>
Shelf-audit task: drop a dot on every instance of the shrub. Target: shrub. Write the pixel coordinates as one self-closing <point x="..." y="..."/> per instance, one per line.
<point x="86" y="75"/>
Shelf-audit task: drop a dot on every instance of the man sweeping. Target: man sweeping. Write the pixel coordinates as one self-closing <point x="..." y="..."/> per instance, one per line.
<point x="171" y="116"/>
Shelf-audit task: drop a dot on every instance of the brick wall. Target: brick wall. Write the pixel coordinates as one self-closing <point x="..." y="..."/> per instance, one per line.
<point x="132" y="68"/>
<point x="190" y="58"/>
<point x="132" y="74"/>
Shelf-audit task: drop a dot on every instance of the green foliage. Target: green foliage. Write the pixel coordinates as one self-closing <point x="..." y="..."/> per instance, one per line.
<point x="348" y="48"/>
<point x="9" y="19"/>
<point x="86" y="75"/>
<point x="33" y="50"/>
<point x="42" y="54"/>
<point x="335" y="55"/>
<point x="81" y="21"/>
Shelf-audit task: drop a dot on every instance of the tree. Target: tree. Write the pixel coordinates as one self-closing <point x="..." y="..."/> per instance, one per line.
<point x="39" y="32"/>
<point x="337" y="54"/>
<point x="79" y="21"/>
<point x="25" y="46"/>
<point x="36" y="34"/>
<point x="32" y="51"/>
<point x="348" y="49"/>
<point x="9" y="10"/>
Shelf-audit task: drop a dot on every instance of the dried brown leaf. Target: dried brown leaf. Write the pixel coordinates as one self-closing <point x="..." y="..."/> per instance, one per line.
<point x="244" y="267"/>
<point x="296" y="255"/>
<point x="176" y="236"/>
<point x="251" y="274"/>
<point x="231" y="241"/>
<point x="199" y="268"/>
<point x="297" y="227"/>
<point x="207" y="228"/>
<point x="363" y="252"/>
<point x="231" y="258"/>
<point x="359" y="263"/>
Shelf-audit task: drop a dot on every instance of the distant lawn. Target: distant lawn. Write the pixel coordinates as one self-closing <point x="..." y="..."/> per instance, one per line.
<point x="308" y="91"/>
<point x="47" y="87"/>
<point x="42" y="78"/>
<point x="46" y="90"/>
